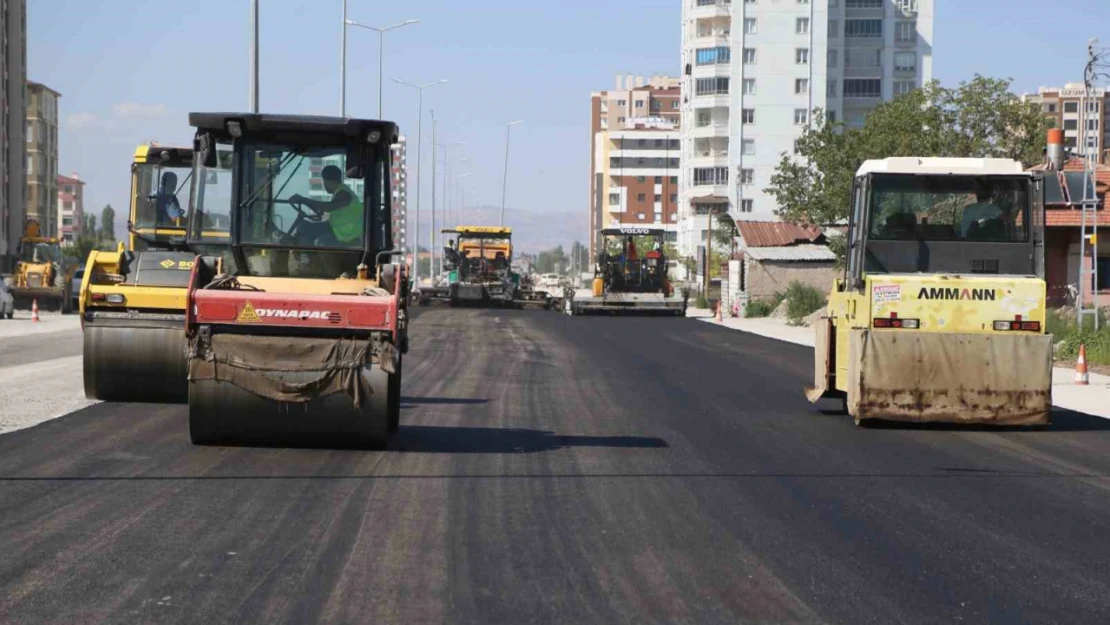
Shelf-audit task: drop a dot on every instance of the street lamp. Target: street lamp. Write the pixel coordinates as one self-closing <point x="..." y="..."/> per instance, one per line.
<point x="419" y="147"/>
<point x="505" y="175"/>
<point x="381" y="55"/>
<point x="458" y="194"/>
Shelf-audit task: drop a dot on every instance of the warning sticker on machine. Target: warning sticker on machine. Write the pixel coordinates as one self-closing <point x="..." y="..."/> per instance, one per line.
<point x="248" y="315"/>
<point x="887" y="293"/>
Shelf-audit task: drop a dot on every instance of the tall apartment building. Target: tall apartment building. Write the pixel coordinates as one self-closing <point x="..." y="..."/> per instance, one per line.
<point x="42" y="156"/>
<point x="13" y="112"/>
<point x="1085" y="118"/>
<point x="754" y="71"/>
<point x="635" y="155"/>
<point x="71" y="207"/>
<point x="399" y="186"/>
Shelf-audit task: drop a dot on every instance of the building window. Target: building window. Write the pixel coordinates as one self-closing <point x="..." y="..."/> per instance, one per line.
<point x="863" y="4"/>
<point x="639" y="104"/>
<point x="749" y="56"/>
<point x="641" y="143"/>
<point x="746" y="206"/>
<point x="830" y="88"/>
<point x="749" y="86"/>
<point x="641" y="179"/>
<point x="747" y="147"/>
<point x="622" y="102"/>
<point x="620" y="120"/>
<point x="1049" y="108"/>
<point x="674" y="179"/>
<point x="30" y="131"/>
<point x="863" y="58"/>
<point x="830" y="116"/>
<point x="640" y="197"/>
<point x="1071" y="107"/>
<point x="907" y="6"/>
<point x="750" y="26"/>
<point x="801" y="56"/>
<point x="833" y="58"/>
<point x="30" y="164"/>
<point x="834" y="29"/>
<point x="640" y="216"/>
<point x="1103" y="273"/>
<point x="614" y="199"/>
<point x="863" y="87"/>
<point x="801" y="26"/>
<point x="801" y="85"/>
<point x="1092" y="107"/>
<point x="658" y="180"/>
<point x="747" y="176"/>
<point x="905" y="62"/>
<point x="710" y="176"/>
<point x="863" y="29"/>
<point x="905" y="32"/>
<point x="720" y="55"/>
<point x="674" y="198"/>
<point x="747" y="116"/>
<point x="801" y="117"/>
<point x="1092" y="124"/>
<point x="1071" y="124"/>
<point x="674" y="104"/>
<point x="903" y="86"/>
<point x="658" y="198"/>
<point x="711" y="86"/>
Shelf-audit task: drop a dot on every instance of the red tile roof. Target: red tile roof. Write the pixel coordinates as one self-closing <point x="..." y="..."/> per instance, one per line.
<point x="776" y="233"/>
<point x="67" y="180"/>
<point x="1072" y="217"/>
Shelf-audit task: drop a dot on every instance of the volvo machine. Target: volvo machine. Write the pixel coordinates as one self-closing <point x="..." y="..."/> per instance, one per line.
<point x="630" y="276"/>
<point x="296" y="331"/>
<point x="132" y="299"/>
<point x="940" y="313"/>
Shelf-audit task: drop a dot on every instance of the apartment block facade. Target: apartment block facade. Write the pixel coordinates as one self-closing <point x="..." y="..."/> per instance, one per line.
<point x="635" y="152"/>
<point x="13" y="113"/>
<point x="399" y="188"/>
<point x="42" y="155"/>
<point x="1084" y="117"/>
<point x="755" y="70"/>
<point x="71" y="207"/>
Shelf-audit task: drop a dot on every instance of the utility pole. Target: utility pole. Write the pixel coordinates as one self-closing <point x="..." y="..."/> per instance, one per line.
<point x="505" y="175"/>
<point x="432" y="234"/>
<point x="343" y="64"/>
<point x="254" y="57"/>
<point x="708" y="254"/>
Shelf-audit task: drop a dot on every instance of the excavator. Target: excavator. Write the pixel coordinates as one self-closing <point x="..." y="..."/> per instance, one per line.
<point x="296" y="330"/>
<point x="41" y="274"/>
<point x="132" y="300"/>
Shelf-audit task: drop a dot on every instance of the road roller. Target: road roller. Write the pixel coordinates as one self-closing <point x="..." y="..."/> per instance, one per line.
<point x="296" y="331"/>
<point x="132" y="299"/>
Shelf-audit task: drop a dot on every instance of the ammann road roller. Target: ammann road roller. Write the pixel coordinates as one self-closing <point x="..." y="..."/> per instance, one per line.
<point x="297" y="331"/>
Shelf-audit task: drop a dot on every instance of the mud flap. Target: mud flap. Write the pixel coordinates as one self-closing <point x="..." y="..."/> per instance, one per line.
<point x="1000" y="379"/>
<point x="822" y="360"/>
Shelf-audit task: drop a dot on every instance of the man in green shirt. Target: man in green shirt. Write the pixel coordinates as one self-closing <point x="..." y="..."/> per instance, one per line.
<point x="344" y="209"/>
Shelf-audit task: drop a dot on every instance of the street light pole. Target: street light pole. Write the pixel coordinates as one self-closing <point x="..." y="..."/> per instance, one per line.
<point x="381" y="56"/>
<point x="432" y="234"/>
<point x="343" y="64"/>
<point x="254" y="57"/>
<point x="446" y="202"/>
<point x="419" y="169"/>
<point x="505" y="174"/>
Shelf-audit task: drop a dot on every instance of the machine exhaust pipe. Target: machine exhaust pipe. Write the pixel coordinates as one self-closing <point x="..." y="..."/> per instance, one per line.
<point x="1056" y="149"/>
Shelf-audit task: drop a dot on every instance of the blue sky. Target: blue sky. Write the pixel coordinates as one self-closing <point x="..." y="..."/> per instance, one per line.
<point x="129" y="72"/>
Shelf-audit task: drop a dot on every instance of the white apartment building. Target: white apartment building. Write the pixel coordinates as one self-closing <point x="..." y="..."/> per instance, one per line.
<point x="753" y="72"/>
<point x="399" y="188"/>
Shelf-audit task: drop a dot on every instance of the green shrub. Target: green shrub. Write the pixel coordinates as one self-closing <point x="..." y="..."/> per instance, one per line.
<point x="802" y="301"/>
<point x="1062" y="325"/>
<point x="758" y="308"/>
<point x="701" y="302"/>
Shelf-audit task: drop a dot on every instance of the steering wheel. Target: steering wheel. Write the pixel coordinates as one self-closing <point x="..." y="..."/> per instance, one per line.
<point x="303" y="214"/>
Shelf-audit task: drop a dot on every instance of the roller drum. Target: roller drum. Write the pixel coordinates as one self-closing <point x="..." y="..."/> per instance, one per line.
<point x="135" y="364"/>
<point x="220" y="412"/>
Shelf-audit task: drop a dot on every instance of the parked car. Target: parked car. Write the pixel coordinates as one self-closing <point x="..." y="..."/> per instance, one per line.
<point x="7" y="302"/>
<point x="75" y="289"/>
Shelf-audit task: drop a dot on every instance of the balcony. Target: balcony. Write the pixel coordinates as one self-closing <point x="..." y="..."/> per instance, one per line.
<point x="711" y="8"/>
<point x="712" y="129"/>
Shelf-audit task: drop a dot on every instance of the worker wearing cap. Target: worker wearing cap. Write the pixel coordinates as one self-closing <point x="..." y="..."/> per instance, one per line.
<point x="344" y="209"/>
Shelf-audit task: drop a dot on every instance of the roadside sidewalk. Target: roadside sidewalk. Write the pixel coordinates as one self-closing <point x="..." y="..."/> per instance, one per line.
<point x="1093" y="399"/>
<point x="22" y="325"/>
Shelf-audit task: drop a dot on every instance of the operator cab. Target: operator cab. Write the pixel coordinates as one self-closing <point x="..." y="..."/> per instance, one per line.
<point x="479" y="252"/>
<point x="632" y="260"/>
<point x="161" y="185"/>
<point x="945" y="216"/>
<point x="302" y="196"/>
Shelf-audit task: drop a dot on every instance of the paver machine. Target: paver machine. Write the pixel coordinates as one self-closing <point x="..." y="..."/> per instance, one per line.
<point x="630" y="277"/>
<point x="132" y="300"/>
<point x="940" y="313"/>
<point x="480" y="260"/>
<point x="297" y="331"/>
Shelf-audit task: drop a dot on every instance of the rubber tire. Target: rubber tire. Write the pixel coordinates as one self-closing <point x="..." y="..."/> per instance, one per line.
<point x="395" y="398"/>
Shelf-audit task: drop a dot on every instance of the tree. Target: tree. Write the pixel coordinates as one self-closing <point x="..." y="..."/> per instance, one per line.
<point x="90" y="226"/>
<point x="980" y="118"/>
<point x="108" y="223"/>
<point x="551" y="261"/>
<point x="724" y="231"/>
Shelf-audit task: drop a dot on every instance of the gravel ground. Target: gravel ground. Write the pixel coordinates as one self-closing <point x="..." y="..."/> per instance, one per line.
<point x="23" y="326"/>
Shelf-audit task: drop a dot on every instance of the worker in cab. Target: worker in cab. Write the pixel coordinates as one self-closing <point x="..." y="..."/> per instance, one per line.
<point x="169" y="208"/>
<point x="979" y="213"/>
<point x="344" y="211"/>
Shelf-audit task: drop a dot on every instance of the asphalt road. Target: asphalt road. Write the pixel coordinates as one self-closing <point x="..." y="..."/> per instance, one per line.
<point x="563" y="470"/>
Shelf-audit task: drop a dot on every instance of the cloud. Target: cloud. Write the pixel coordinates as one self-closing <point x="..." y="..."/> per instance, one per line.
<point x="138" y="110"/>
<point x="78" y="121"/>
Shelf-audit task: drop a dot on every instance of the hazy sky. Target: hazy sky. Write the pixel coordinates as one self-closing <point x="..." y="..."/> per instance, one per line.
<point x="129" y="72"/>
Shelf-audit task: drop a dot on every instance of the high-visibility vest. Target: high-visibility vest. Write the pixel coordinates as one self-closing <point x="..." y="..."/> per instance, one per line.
<point x="346" y="222"/>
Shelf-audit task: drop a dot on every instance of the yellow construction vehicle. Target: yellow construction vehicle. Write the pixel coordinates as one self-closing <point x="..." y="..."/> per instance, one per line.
<point x="132" y="300"/>
<point x="940" y="314"/>
<point x="40" y="276"/>
<point x="298" y="331"/>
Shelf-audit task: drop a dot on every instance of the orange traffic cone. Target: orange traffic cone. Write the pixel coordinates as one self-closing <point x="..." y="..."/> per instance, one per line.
<point x="719" y="319"/>
<point x="35" y="310"/>
<point x="1081" y="376"/>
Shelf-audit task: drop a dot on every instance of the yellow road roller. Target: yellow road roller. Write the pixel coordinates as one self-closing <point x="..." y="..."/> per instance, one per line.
<point x="132" y="300"/>
<point x="940" y="313"/>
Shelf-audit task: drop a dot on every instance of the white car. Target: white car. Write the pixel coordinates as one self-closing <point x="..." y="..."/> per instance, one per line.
<point x="7" y="302"/>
